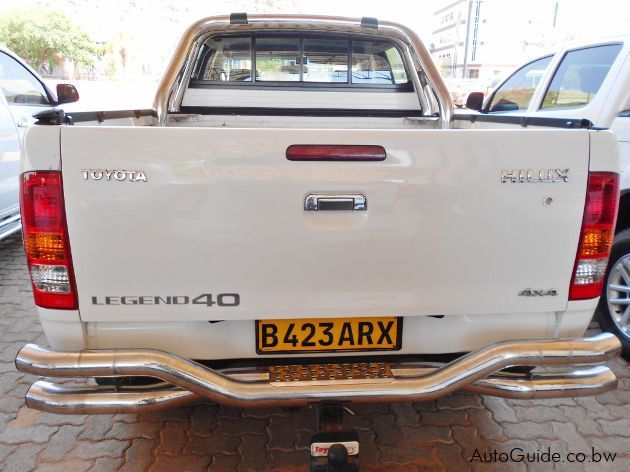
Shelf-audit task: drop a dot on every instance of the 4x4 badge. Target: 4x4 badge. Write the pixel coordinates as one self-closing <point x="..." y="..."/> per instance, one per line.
<point x="530" y="292"/>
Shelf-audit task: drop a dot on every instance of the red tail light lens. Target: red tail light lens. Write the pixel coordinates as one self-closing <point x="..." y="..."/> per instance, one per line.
<point x="46" y="240"/>
<point x="598" y="231"/>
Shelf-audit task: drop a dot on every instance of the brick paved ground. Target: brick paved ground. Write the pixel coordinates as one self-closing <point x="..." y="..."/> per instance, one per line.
<point x="438" y="435"/>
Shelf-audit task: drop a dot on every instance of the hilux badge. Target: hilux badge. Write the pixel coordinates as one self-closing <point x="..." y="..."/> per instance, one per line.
<point x="534" y="175"/>
<point x="115" y="174"/>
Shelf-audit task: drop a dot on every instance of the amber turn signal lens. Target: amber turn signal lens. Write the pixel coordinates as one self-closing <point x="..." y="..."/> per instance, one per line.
<point x="596" y="242"/>
<point x="44" y="246"/>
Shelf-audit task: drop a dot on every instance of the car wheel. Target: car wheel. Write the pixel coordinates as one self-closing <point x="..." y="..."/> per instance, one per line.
<point x="613" y="310"/>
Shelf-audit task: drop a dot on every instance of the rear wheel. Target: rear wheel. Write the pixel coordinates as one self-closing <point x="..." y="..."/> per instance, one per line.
<point x="614" y="306"/>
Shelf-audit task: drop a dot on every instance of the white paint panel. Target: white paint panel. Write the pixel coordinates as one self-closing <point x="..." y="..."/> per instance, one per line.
<point x="243" y="97"/>
<point x="235" y="339"/>
<point x="304" y="122"/>
<point x="604" y="152"/>
<point x="222" y="212"/>
<point x="41" y="149"/>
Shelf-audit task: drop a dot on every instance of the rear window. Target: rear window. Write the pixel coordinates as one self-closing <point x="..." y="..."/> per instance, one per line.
<point x="278" y="60"/>
<point x="579" y="76"/>
<point x="377" y="62"/>
<point x="287" y="60"/>
<point x="325" y="61"/>
<point x="225" y="60"/>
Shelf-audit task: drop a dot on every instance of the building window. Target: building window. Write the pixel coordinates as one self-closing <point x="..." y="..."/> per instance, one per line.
<point x="475" y="40"/>
<point x="472" y="73"/>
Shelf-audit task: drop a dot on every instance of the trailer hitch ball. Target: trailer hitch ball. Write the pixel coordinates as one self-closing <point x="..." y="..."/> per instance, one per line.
<point x="337" y="457"/>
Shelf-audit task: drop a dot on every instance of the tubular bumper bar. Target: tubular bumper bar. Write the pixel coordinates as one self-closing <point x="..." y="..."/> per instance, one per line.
<point x="186" y="381"/>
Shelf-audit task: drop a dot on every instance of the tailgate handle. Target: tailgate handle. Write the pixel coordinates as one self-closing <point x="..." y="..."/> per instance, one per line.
<point x="320" y="202"/>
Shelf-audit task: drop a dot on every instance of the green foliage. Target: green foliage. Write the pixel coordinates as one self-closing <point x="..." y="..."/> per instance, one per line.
<point x="40" y="35"/>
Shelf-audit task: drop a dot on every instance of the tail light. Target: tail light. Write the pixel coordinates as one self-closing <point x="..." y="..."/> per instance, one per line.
<point x="598" y="231"/>
<point x="335" y="152"/>
<point x="46" y="240"/>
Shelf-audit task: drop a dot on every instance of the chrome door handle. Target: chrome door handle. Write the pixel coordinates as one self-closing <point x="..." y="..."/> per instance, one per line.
<point x="325" y="201"/>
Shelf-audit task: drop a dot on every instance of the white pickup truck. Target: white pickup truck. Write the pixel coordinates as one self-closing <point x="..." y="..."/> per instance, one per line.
<point x="591" y="81"/>
<point x="300" y="220"/>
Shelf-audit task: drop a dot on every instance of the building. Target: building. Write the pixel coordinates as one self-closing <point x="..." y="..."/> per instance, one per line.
<point x="484" y="39"/>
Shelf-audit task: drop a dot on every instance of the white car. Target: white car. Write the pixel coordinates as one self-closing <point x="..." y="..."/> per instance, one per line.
<point x="312" y="229"/>
<point x="587" y="81"/>
<point x="22" y="94"/>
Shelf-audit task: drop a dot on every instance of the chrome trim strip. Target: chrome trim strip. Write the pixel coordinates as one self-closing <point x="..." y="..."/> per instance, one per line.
<point x="10" y="219"/>
<point x="10" y="225"/>
<point x="11" y="211"/>
<point x="175" y="80"/>
<point x="221" y="388"/>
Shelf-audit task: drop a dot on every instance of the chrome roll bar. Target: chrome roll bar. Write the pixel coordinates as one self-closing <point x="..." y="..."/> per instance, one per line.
<point x="175" y="80"/>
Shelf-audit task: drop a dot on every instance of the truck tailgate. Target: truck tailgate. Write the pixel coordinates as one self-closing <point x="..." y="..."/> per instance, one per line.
<point x="221" y="218"/>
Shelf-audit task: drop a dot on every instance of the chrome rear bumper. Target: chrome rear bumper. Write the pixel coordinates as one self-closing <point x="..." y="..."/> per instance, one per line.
<point x="186" y="381"/>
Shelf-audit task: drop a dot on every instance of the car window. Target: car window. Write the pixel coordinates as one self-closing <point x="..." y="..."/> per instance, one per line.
<point x="18" y="85"/>
<point x="516" y="92"/>
<point x="377" y="62"/>
<point x="225" y="59"/>
<point x="579" y="76"/>
<point x="326" y="60"/>
<point x="277" y="59"/>
<point x="287" y="59"/>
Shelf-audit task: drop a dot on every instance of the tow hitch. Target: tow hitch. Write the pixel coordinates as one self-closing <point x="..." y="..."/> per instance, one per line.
<point x="332" y="448"/>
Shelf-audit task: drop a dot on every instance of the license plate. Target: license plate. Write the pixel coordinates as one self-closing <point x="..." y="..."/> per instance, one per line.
<point x="328" y="335"/>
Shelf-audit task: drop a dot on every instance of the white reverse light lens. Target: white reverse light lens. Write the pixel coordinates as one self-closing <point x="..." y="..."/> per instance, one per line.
<point x="50" y="278"/>
<point x="589" y="271"/>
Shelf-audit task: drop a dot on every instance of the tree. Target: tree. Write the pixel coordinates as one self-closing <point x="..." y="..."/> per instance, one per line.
<point x="46" y="36"/>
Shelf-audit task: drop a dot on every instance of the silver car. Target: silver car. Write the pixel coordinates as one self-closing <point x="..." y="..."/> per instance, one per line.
<point x="22" y="94"/>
